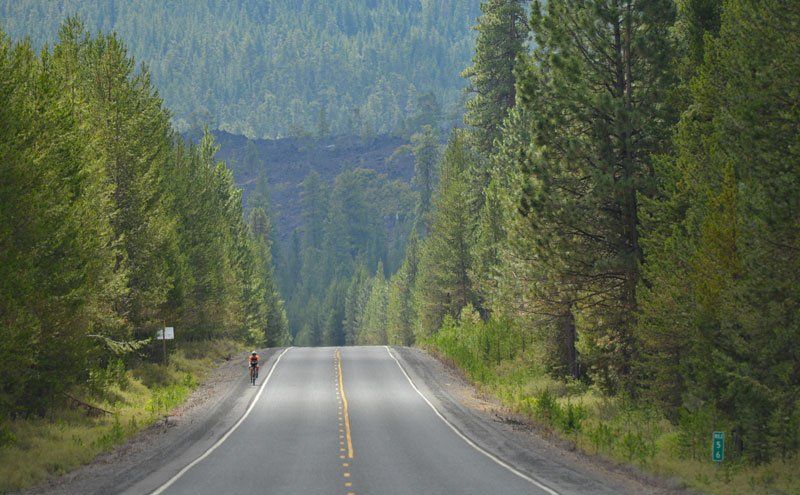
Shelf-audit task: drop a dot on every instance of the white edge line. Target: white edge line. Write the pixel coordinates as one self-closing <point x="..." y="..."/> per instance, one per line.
<point x="470" y="442"/>
<point x="219" y="442"/>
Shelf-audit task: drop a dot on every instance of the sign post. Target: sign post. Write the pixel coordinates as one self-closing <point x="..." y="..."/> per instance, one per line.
<point x="718" y="446"/>
<point x="166" y="333"/>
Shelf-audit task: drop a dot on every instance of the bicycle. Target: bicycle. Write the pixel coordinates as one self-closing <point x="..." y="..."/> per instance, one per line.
<point x="253" y="373"/>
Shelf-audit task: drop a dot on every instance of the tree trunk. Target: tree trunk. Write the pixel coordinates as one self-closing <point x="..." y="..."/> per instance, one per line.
<point x="568" y="340"/>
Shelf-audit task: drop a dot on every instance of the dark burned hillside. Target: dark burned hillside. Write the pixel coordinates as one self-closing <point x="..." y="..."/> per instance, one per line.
<point x="287" y="162"/>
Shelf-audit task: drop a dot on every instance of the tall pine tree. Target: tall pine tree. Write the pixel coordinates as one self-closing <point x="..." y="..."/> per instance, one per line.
<point x="595" y="88"/>
<point x="443" y="286"/>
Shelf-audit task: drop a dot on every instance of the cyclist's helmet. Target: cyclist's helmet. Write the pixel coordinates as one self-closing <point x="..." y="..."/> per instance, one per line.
<point x="254" y="353"/>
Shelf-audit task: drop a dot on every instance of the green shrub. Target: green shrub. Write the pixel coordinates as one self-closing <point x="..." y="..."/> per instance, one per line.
<point x="636" y="445"/>
<point x="572" y="417"/>
<point x="152" y="375"/>
<point x="546" y="409"/>
<point x="114" y="436"/>
<point x="694" y="433"/>
<point x="601" y="437"/>
<point x="6" y="437"/>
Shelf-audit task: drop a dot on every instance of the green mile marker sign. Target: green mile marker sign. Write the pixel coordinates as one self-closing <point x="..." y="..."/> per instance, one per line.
<point x="718" y="446"/>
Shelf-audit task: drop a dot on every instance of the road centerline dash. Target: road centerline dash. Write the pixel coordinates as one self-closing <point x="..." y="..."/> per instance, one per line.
<point x="345" y="412"/>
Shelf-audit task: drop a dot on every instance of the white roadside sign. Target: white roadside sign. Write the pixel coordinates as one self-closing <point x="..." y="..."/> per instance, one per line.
<point x="167" y="333"/>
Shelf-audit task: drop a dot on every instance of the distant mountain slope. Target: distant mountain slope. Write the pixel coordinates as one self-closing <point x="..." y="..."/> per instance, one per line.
<point x="274" y="68"/>
<point x="286" y="162"/>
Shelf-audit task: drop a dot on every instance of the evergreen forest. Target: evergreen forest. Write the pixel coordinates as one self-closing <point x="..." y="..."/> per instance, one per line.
<point x="616" y="221"/>
<point x="111" y="226"/>
<point x="591" y="208"/>
<point x="280" y="68"/>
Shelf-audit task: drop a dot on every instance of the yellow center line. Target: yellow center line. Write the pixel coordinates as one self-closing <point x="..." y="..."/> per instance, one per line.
<point x="344" y="403"/>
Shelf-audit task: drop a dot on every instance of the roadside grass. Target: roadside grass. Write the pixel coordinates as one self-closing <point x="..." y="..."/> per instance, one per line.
<point x="595" y="423"/>
<point x="33" y="449"/>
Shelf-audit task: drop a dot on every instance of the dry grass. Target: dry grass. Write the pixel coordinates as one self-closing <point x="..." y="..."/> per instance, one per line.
<point x="38" y="448"/>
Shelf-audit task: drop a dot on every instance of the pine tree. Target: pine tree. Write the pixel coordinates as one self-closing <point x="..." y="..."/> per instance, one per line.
<point x="323" y="126"/>
<point x="424" y="111"/>
<point x="249" y="75"/>
<point x="425" y="148"/>
<point x="213" y="239"/>
<point x="372" y="330"/>
<point x="362" y="221"/>
<point x="502" y="34"/>
<point x="490" y="234"/>
<point x="314" y="274"/>
<point x="250" y="162"/>
<point x="400" y="311"/>
<point x="666" y="285"/>
<point x="57" y="283"/>
<point x="443" y="286"/>
<point x="333" y="332"/>
<point x="595" y="88"/>
<point x="355" y="300"/>
<point x="123" y="227"/>
<point x="315" y="208"/>
<point x="271" y="317"/>
<point x="133" y="135"/>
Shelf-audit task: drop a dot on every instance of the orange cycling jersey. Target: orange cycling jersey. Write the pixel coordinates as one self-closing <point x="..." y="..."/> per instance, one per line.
<point x="254" y="360"/>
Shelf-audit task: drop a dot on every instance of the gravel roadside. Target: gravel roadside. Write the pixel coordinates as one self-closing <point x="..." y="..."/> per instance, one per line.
<point x="519" y="442"/>
<point x="216" y="404"/>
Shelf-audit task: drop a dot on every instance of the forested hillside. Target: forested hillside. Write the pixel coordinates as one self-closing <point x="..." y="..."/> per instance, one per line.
<point x="317" y="250"/>
<point x="613" y="242"/>
<point x="282" y="67"/>
<point x="111" y="227"/>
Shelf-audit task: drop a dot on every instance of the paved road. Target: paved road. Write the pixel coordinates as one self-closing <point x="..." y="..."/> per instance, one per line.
<point x="345" y="421"/>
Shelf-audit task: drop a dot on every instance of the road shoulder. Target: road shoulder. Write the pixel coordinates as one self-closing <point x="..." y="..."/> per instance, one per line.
<point x="516" y="440"/>
<point x="162" y="449"/>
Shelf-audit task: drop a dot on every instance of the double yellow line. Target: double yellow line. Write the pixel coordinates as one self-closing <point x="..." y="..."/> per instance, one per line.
<point x="344" y="406"/>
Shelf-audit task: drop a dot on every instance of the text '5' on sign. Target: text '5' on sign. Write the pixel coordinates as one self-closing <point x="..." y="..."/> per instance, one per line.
<point x="718" y="446"/>
<point x="167" y="333"/>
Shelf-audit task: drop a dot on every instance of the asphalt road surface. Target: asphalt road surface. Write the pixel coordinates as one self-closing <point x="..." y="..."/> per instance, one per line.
<point x="345" y="421"/>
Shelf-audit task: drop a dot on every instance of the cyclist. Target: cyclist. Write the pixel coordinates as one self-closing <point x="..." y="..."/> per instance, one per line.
<point x="254" y="362"/>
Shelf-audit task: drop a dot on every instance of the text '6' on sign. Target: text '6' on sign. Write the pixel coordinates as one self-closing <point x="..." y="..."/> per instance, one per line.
<point x="718" y="446"/>
<point x="166" y="334"/>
